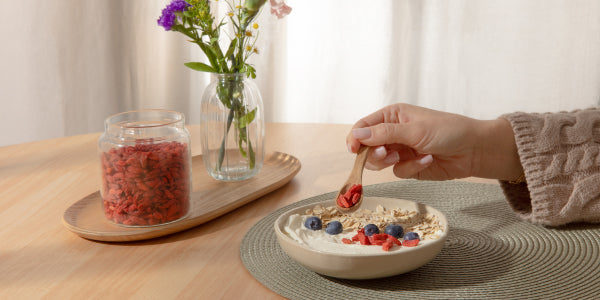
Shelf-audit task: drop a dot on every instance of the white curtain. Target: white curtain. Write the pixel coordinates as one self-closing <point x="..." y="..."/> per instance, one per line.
<point x="68" y="64"/>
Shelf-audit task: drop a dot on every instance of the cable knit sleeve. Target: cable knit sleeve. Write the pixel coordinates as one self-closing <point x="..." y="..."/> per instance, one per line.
<point x="561" y="159"/>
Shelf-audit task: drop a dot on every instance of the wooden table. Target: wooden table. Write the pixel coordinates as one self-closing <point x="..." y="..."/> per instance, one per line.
<point x="39" y="257"/>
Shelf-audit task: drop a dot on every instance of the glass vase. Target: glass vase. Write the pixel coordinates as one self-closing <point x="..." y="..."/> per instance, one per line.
<point x="232" y="127"/>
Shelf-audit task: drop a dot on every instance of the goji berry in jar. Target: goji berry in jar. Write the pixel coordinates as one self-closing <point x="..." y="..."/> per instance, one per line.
<point x="145" y="181"/>
<point x="152" y="187"/>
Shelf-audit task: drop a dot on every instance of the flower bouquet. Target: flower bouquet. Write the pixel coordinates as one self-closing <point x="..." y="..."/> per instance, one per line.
<point x="238" y="100"/>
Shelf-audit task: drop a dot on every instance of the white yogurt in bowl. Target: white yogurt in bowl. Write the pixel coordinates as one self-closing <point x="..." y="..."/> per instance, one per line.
<point x="321" y="241"/>
<point x="327" y="254"/>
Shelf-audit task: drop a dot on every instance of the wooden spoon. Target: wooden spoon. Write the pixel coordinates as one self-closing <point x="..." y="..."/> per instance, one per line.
<point x="354" y="178"/>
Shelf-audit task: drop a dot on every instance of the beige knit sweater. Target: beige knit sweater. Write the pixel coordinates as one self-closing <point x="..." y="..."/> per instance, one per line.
<point x="560" y="153"/>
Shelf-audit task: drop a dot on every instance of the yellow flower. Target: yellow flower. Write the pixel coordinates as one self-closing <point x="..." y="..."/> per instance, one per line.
<point x="255" y="25"/>
<point x="230" y="14"/>
<point x="248" y="33"/>
<point x="255" y="50"/>
<point x="248" y="48"/>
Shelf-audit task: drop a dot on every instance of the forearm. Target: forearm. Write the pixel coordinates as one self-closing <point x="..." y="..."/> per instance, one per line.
<point x="496" y="151"/>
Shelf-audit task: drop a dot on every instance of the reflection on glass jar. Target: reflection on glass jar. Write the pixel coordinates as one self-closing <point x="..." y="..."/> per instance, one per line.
<point x="145" y="161"/>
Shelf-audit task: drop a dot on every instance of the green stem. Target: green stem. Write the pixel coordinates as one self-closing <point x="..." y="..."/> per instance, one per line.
<point x="251" y="154"/>
<point x="222" y="149"/>
<point x="235" y="112"/>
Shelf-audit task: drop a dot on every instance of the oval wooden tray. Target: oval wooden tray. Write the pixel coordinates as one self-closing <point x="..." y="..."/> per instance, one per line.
<point x="210" y="199"/>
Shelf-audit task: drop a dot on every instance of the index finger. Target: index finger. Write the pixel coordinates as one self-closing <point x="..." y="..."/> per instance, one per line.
<point x="378" y="117"/>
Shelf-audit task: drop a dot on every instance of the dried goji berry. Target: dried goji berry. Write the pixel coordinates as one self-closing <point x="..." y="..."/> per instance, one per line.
<point x="146" y="184"/>
<point x="375" y="242"/>
<point x="394" y="240"/>
<point x="355" y="189"/>
<point x="350" y="198"/>
<point x="355" y="198"/>
<point x="410" y="243"/>
<point x="387" y="245"/>
<point x="362" y="238"/>
<point x="346" y="241"/>
<point x="347" y="202"/>
<point x="378" y="238"/>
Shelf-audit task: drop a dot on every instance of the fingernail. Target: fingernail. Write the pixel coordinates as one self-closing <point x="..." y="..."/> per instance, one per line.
<point x="392" y="158"/>
<point x="379" y="152"/>
<point x="361" y="133"/>
<point x="349" y="148"/>
<point x="426" y="160"/>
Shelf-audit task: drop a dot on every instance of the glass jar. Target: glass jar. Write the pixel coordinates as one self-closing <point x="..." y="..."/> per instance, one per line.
<point x="146" y="169"/>
<point x="232" y="127"/>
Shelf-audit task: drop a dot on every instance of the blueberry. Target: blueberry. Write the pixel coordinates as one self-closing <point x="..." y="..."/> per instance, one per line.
<point x="371" y="229"/>
<point x="411" y="236"/>
<point x="313" y="223"/>
<point x="334" y="227"/>
<point x="394" y="230"/>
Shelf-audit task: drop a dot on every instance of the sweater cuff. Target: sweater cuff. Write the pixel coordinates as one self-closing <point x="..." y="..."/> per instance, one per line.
<point x="561" y="161"/>
<point x="526" y="128"/>
<point x="518" y="198"/>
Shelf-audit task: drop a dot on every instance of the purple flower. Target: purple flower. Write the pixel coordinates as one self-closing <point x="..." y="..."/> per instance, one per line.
<point x="179" y="5"/>
<point x="168" y="17"/>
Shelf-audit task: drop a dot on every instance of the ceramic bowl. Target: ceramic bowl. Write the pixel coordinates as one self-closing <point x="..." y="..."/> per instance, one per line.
<point x="363" y="266"/>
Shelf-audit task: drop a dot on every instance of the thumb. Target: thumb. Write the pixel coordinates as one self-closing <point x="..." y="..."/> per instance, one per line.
<point x="389" y="133"/>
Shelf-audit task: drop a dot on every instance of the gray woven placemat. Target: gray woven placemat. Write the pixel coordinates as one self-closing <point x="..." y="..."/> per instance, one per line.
<point x="489" y="253"/>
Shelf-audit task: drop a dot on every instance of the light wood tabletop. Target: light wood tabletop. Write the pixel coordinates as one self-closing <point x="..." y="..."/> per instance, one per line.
<point x="41" y="258"/>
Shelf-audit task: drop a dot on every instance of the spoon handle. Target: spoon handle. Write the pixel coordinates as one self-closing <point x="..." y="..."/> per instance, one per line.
<point x="359" y="164"/>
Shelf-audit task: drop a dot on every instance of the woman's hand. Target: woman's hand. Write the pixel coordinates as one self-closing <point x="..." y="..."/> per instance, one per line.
<point x="432" y="145"/>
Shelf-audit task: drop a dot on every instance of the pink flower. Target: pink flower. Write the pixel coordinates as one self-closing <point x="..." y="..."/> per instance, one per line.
<point x="279" y="8"/>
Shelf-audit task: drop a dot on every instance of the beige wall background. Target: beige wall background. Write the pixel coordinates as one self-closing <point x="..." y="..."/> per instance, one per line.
<point x="68" y="64"/>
